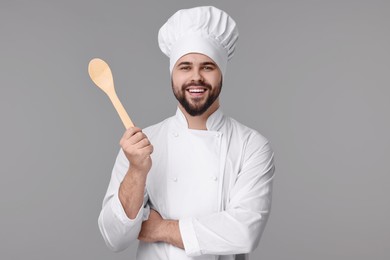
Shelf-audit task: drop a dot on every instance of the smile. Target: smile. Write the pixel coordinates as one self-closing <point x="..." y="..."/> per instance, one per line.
<point x="196" y="90"/>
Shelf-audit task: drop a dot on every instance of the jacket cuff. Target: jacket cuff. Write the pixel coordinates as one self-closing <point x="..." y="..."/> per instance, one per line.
<point x="190" y="241"/>
<point x="120" y="213"/>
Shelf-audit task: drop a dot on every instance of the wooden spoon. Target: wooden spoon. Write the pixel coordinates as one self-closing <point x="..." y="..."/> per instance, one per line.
<point x="101" y="75"/>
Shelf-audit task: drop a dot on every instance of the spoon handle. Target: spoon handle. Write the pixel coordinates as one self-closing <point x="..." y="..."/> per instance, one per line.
<point x="121" y="110"/>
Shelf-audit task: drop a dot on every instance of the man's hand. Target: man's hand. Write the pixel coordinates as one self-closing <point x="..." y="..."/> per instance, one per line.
<point x="137" y="149"/>
<point x="151" y="228"/>
<point x="156" y="229"/>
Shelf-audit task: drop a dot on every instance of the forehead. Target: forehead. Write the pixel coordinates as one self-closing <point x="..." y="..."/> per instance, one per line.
<point x="195" y="58"/>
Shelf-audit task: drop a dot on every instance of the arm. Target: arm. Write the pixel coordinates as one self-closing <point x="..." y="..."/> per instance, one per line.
<point x="157" y="229"/>
<point x="124" y="206"/>
<point x="238" y="228"/>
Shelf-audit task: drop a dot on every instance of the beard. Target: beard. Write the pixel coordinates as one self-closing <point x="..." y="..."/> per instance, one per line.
<point x="197" y="106"/>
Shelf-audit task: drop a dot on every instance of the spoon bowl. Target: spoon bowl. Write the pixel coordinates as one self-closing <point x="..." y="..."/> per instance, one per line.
<point x="101" y="75"/>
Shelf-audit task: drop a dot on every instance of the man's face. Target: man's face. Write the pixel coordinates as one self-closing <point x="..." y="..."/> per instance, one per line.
<point x="196" y="82"/>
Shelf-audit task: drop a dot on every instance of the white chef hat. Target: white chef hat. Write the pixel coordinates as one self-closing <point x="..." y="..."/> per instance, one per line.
<point x="205" y="29"/>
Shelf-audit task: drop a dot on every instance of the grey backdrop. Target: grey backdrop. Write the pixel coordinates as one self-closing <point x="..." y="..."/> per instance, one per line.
<point x="312" y="76"/>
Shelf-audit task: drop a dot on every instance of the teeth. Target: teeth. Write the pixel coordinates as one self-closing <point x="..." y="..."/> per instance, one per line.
<point x="196" y="90"/>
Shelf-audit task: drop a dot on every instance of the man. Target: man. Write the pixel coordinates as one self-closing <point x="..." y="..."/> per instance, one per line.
<point x="207" y="194"/>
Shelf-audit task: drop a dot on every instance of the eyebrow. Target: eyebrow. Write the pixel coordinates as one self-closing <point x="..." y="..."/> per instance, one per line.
<point x="208" y="63"/>
<point x="184" y="63"/>
<point x="190" y="63"/>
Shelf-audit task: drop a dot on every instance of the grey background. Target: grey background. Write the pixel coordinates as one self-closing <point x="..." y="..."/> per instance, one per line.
<point x="312" y="76"/>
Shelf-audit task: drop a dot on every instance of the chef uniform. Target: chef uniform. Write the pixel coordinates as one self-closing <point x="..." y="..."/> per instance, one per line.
<point x="216" y="182"/>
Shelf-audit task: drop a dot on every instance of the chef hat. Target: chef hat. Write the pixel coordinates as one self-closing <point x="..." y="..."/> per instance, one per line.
<point x="205" y="29"/>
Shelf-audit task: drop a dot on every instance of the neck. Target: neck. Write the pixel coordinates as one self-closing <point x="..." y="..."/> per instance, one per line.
<point x="199" y="122"/>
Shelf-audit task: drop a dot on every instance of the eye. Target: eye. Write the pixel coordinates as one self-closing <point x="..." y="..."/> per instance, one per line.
<point x="208" y="68"/>
<point x="185" y="68"/>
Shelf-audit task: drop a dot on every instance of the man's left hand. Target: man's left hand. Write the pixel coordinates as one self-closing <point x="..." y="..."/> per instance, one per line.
<point x="156" y="229"/>
<point x="151" y="228"/>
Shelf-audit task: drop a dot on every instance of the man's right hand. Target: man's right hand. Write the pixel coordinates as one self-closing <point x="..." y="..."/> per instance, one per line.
<point x="137" y="149"/>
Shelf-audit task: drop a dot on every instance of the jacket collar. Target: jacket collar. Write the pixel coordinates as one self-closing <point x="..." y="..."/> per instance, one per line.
<point x="213" y="123"/>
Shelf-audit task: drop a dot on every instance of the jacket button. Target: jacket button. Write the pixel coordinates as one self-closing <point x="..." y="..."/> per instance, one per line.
<point x="174" y="179"/>
<point x="175" y="134"/>
<point x="215" y="178"/>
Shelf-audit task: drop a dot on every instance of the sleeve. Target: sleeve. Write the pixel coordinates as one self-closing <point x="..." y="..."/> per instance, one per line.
<point x="237" y="229"/>
<point x="116" y="228"/>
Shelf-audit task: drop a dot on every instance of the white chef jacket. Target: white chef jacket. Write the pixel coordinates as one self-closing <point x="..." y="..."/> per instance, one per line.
<point x="216" y="182"/>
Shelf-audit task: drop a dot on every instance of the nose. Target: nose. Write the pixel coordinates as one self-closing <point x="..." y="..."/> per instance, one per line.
<point x="197" y="76"/>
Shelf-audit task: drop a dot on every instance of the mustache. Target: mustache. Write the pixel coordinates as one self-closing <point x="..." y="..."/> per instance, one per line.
<point x="197" y="84"/>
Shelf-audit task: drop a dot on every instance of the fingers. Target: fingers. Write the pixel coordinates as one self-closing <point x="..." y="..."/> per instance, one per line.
<point x="134" y="136"/>
<point x="142" y="143"/>
<point x="134" y="139"/>
<point x="137" y="148"/>
<point x="147" y="149"/>
<point x="130" y="132"/>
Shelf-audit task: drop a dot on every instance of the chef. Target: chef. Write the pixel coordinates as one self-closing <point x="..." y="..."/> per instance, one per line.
<point x="198" y="184"/>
